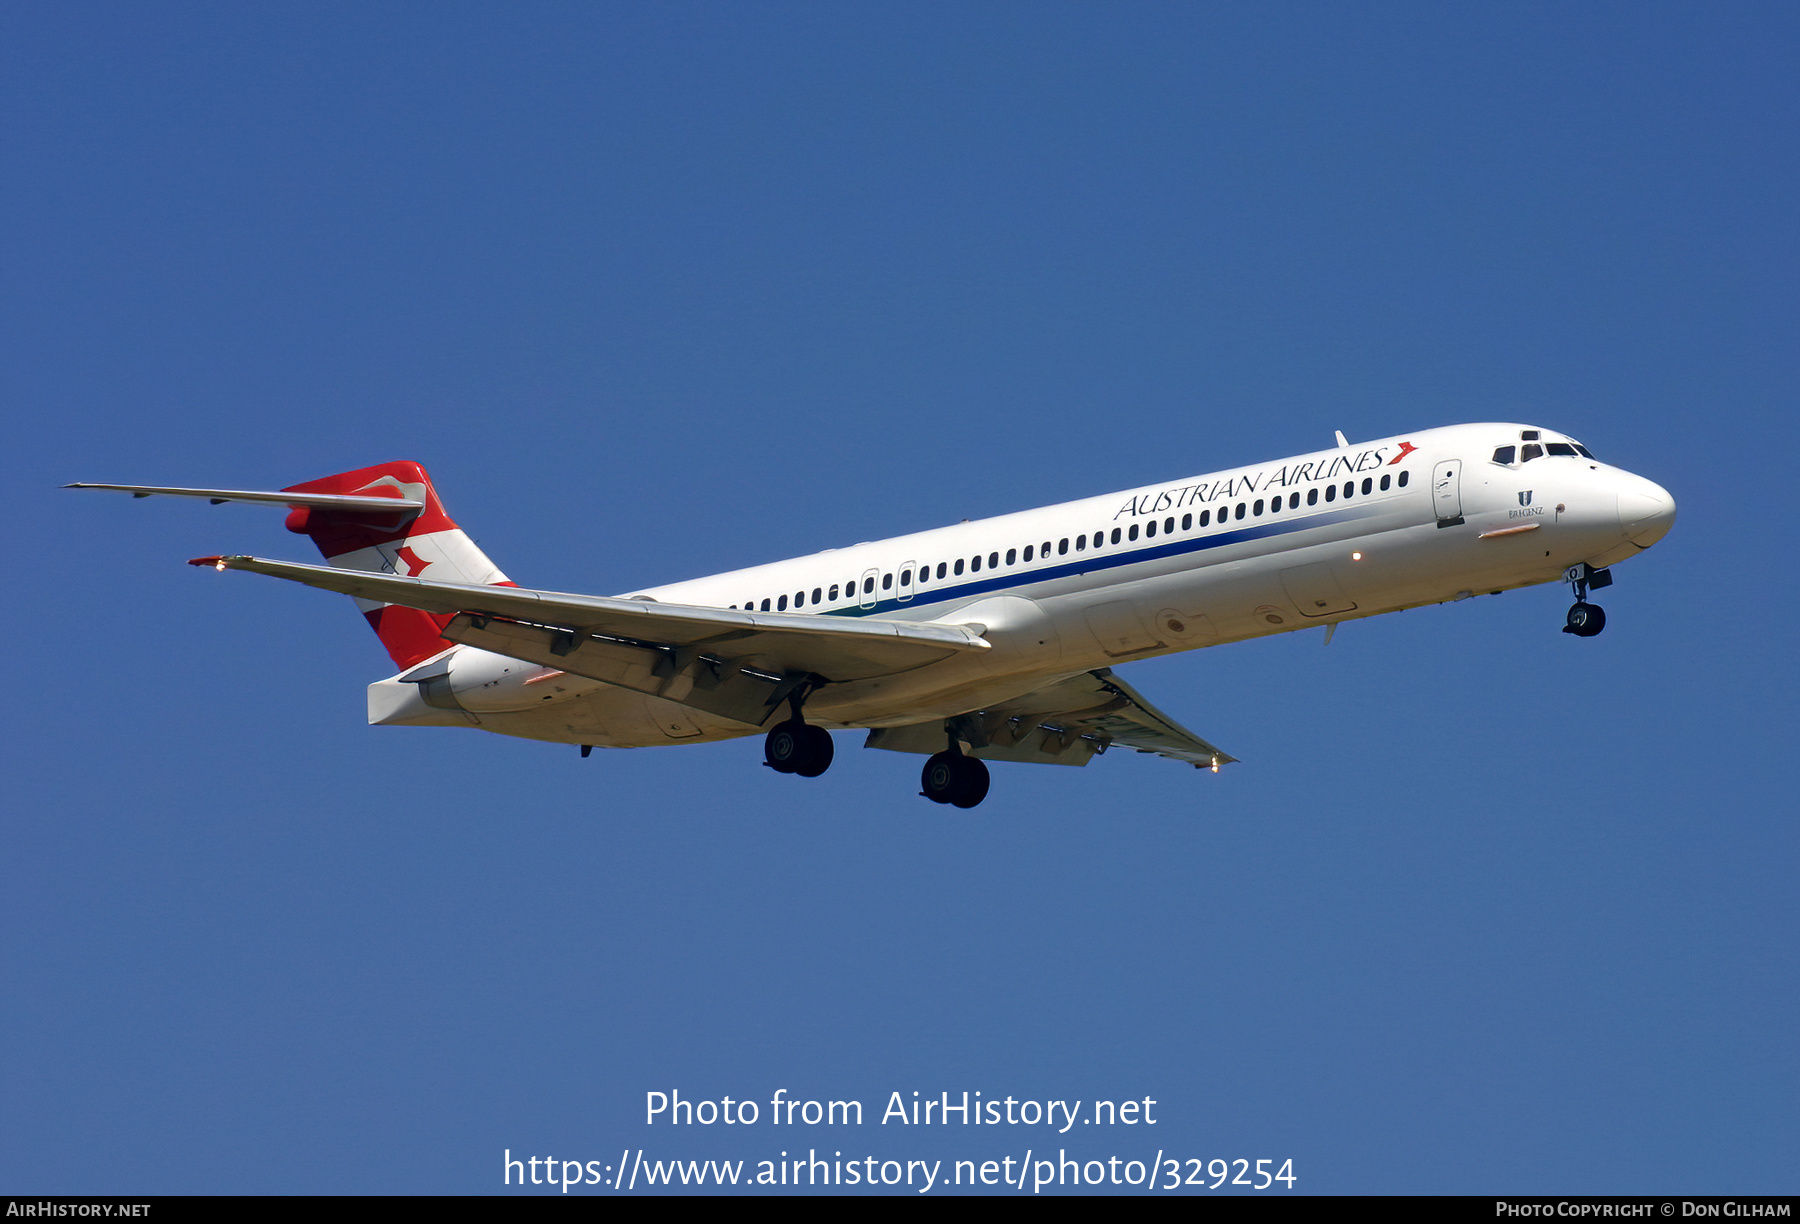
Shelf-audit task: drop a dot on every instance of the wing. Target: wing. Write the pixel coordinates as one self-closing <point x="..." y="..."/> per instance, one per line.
<point x="1066" y="723"/>
<point x="737" y="664"/>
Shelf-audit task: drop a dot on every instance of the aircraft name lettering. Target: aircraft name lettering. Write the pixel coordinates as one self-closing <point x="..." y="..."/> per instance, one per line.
<point x="1308" y="472"/>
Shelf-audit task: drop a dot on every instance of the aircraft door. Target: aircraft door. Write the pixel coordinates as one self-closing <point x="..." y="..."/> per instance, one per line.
<point x="1446" y="492"/>
<point x="869" y="594"/>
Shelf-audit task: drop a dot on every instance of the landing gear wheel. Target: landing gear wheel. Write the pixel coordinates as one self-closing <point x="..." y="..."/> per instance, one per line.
<point x="784" y="748"/>
<point x="973" y="785"/>
<point x="951" y="777"/>
<point x="815" y="756"/>
<point x="1585" y="619"/>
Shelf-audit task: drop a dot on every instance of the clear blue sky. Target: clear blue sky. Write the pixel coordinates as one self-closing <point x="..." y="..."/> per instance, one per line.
<point x="660" y="290"/>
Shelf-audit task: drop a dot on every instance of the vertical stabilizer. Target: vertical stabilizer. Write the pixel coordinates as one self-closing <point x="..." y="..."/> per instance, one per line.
<point x="409" y="542"/>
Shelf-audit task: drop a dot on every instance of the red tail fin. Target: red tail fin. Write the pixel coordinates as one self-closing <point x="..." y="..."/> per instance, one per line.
<point x="424" y="542"/>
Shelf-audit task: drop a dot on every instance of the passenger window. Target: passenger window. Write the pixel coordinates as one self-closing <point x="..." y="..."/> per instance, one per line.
<point x="1240" y="509"/>
<point x="781" y="604"/>
<point x="1385" y="482"/>
<point x="887" y="582"/>
<point x="1132" y="534"/>
<point x="993" y="560"/>
<point x="940" y="569"/>
<point x="1062" y="546"/>
<point x="800" y="599"/>
<point x="959" y="566"/>
<point x="1349" y="487"/>
<point x="1274" y="504"/>
<point x="1505" y="454"/>
<point x="1028" y="553"/>
<point x="1099" y="538"/>
<point x="1403" y="476"/>
<point x="1205" y="517"/>
<point x="1367" y="486"/>
<point x="1150" y="529"/>
<point x="765" y="605"/>
<point x="1257" y="508"/>
<point x="868" y="586"/>
<point x="1045" y="550"/>
<point x="1330" y="492"/>
<point x="975" y="565"/>
<point x="905" y="577"/>
<point x="1081" y="542"/>
<point x="1312" y="497"/>
<point x="1561" y="448"/>
<point x="834" y="591"/>
<point x="1293" y="501"/>
<point x="1168" y="525"/>
<point x="1115" y="535"/>
<point x="1528" y="453"/>
<point x="1187" y="522"/>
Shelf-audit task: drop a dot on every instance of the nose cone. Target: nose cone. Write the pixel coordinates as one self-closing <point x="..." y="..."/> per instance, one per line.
<point x="1646" y="511"/>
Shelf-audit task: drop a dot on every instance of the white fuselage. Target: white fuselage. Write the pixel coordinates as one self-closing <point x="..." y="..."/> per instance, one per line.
<point x="1269" y="548"/>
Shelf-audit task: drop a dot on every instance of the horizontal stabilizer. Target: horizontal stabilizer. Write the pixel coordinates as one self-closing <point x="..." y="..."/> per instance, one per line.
<point x="316" y="501"/>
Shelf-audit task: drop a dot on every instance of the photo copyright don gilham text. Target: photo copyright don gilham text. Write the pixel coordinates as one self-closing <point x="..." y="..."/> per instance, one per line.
<point x="677" y="1118"/>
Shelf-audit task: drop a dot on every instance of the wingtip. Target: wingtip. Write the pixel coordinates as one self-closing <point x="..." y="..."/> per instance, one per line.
<point x="217" y="563"/>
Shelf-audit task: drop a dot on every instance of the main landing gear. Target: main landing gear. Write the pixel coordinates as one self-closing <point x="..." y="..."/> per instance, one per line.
<point x="950" y="777"/>
<point x="796" y="746"/>
<point x="1585" y="619"/>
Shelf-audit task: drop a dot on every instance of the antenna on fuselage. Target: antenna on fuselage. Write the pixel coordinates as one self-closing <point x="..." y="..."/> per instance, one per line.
<point x="1343" y="442"/>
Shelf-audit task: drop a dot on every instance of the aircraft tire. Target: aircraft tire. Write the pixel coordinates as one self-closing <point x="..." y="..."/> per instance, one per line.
<point x="1585" y="620"/>
<point x="784" y="748"/>
<point x="816" y="752"/>
<point x="937" y="781"/>
<point x="972" y="782"/>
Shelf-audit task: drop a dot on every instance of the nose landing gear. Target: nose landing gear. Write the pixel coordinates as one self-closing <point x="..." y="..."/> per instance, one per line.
<point x="1585" y="619"/>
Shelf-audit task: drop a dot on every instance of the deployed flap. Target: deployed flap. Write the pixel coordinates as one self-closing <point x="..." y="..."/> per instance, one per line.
<point x="1066" y="723"/>
<point x="832" y="647"/>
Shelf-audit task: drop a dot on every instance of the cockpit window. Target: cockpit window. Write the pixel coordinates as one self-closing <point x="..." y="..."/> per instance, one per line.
<point x="1530" y="451"/>
<point x="1563" y="449"/>
<point x="1584" y="452"/>
<point x="1528" y="435"/>
<point x="1504" y="454"/>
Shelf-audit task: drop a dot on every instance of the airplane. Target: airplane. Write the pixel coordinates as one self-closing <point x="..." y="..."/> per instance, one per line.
<point x="984" y="641"/>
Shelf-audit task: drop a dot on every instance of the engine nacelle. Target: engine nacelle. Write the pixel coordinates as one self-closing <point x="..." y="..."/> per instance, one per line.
<point x="485" y="683"/>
